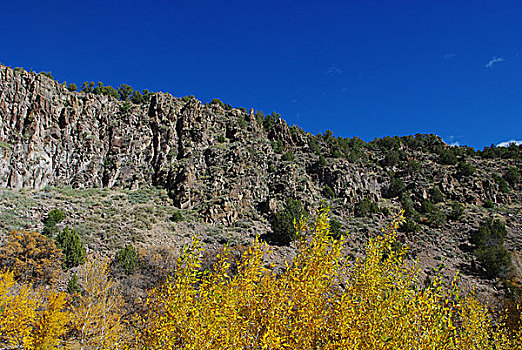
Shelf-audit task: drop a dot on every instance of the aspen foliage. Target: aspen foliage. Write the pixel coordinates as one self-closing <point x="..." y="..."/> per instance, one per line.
<point x="30" y="319"/>
<point x="321" y="301"/>
<point x="31" y="256"/>
<point x="95" y="321"/>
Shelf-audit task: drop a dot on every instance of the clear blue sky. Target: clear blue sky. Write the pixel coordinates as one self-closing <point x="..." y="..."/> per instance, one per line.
<point x="359" y="68"/>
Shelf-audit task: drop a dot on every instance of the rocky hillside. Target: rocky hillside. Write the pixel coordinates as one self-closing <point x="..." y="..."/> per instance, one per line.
<point x="233" y="169"/>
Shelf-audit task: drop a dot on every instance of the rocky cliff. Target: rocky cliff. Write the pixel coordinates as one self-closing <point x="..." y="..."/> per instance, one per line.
<point x="230" y="164"/>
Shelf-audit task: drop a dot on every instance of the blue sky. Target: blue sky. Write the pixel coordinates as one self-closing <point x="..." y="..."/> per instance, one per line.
<point x="359" y="68"/>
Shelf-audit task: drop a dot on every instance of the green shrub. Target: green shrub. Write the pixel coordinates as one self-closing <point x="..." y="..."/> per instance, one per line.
<point x="457" y="210"/>
<point x="502" y="184"/>
<point x="47" y="74"/>
<point x="336" y="229"/>
<point x="395" y="188"/>
<point x="495" y="260"/>
<point x="436" y="195"/>
<point x="365" y="207"/>
<point x="72" y="285"/>
<point x="409" y="209"/>
<point x="283" y="230"/>
<point x="177" y="216"/>
<point x="108" y="90"/>
<point x="512" y="175"/>
<point x="489" y="204"/>
<point x="490" y="232"/>
<point x="466" y="169"/>
<point x="72" y="87"/>
<point x="221" y="139"/>
<point x="313" y="145"/>
<point x="88" y="87"/>
<point x="321" y="163"/>
<point x="137" y="98"/>
<point x="489" y="248"/>
<point x="413" y="166"/>
<point x="385" y="211"/>
<point x="447" y="155"/>
<point x="54" y="217"/>
<point x="435" y="216"/>
<point x="125" y="91"/>
<point x="409" y="226"/>
<point x="328" y="192"/>
<point x="391" y="158"/>
<point x="72" y="247"/>
<point x="288" y="156"/>
<point x="127" y="258"/>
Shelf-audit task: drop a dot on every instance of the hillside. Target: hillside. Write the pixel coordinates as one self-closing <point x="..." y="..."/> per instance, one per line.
<point x="122" y="170"/>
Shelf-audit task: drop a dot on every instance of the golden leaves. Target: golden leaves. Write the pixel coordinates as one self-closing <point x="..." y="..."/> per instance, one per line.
<point x="377" y="307"/>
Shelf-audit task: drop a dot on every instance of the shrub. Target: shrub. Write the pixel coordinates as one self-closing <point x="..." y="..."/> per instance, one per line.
<point x="336" y="229"/>
<point x="436" y="195"/>
<point x="465" y="169"/>
<point x="125" y="91"/>
<point x="72" y="285"/>
<point x="127" y="258"/>
<point x="47" y="74"/>
<point x="447" y="156"/>
<point x="512" y="175"/>
<point x="489" y="204"/>
<point x="433" y="213"/>
<point x="87" y="87"/>
<point x="502" y="184"/>
<point x="489" y="248"/>
<point x="54" y="217"/>
<point x="283" y="222"/>
<point x="457" y="210"/>
<point x="31" y="256"/>
<point x="407" y="206"/>
<point x="495" y="260"/>
<point x="137" y="98"/>
<point x="413" y="166"/>
<point x="409" y="226"/>
<point x="72" y="87"/>
<point x="313" y="145"/>
<point x="288" y="156"/>
<point x="177" y="216"/>
<point x="395" y="188"/>
<point x="365" y="207"/>
<point x="72" y="247"/>
<point x="391" y="158"/>
<point x="328" y="192"/>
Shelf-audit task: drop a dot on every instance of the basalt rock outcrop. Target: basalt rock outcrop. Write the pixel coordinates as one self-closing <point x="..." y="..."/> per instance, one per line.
<point x="220" y="162"/>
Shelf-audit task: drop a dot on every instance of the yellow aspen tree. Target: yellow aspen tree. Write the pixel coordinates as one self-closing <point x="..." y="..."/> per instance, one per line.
<point x="51" y="323"/>
<point x="17" y="312"/>
<point x="95" y="322"/>
<point x="321" y="301"/>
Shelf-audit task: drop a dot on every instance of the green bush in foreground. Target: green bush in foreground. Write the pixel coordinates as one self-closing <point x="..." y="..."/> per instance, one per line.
<point x="72" y="247"/>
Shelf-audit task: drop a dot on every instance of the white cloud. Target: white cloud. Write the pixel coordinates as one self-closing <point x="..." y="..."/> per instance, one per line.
<point x="447" y="56"/>
<point x="452" y="141"/>
<point x="493" y="61"/>
<point x="334" y="70"/>
<point x="508" y="143"/>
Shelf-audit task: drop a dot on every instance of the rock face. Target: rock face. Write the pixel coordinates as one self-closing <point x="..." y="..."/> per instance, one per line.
<point x="229" y="170"/>
<point x="220" y="162"/>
